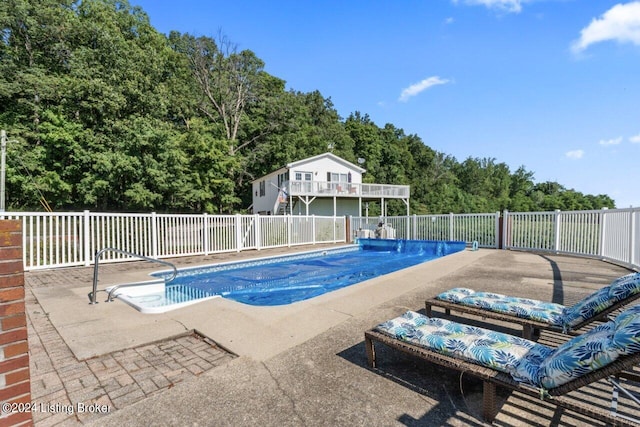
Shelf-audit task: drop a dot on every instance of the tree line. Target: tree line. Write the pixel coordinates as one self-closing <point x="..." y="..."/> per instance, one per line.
<point x="106" y="113"/>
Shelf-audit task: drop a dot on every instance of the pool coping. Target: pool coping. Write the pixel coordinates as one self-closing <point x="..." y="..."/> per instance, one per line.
<point x="93" y="330"/>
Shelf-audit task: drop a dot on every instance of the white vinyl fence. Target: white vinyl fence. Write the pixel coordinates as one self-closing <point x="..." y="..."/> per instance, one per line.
<point x="481" y="228"/>
<point x="71" y="239"/>
<point x="609" y="234"/>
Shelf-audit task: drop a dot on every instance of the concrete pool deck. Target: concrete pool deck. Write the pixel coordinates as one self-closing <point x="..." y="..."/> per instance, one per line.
<point x="301" y="364"/>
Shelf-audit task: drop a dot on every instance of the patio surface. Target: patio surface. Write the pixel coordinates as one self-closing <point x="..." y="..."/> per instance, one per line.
<point x="220" y="362"/>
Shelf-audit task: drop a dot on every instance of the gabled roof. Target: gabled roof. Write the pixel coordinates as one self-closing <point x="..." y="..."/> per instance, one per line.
<point x="327" y="155"/>
<point x="312" y="159"/>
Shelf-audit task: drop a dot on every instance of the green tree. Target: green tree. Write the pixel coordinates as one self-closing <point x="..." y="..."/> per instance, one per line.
<point x="211" y="188"/>
<point x="367" y="143"/>
<point x="86" y="80"/>
<point x="112" y="115"/>
<point x="228" y="80"/>
<point x="520" y="191"/>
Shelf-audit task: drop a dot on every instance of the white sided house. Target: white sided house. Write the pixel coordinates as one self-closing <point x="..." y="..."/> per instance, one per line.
<point x="321" y="185"/>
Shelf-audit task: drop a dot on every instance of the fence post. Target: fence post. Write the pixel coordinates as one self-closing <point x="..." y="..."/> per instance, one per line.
<point x="632" y="236"/>
<point x="88" y="257"/>
<point x="556" y="230"/>
<point x="154" y="235"/>
<point x="414" y="234"/>
<point x="450" y="225"/>
<point x="408" y="228"/>
<point x="258" y="231"/>
<point x="238" y="233"/>
<point x="497" y="232"/>
<point x="603" y="230"/>
<point x="205" y="233"/>
<point x="289" y="229"/>
<point x="506" y="228"/>
<point x="313" y="228"/>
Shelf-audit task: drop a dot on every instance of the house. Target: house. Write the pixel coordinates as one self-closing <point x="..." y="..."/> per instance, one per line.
<point x="325" y="185"/>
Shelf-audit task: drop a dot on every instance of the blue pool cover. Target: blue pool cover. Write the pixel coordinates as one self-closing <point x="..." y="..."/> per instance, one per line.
<point x="284" y="280"/>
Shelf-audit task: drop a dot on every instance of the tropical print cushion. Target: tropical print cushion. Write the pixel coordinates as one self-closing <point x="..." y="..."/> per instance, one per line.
<point x="578" y="356"/>
<point x="402" y="325"/>
<point x="621" y="288"/>
<point x="625" y="286"/>
<point x="550" y="313"/>
<point x="626" y="339"/>
<point x="526" y="361"/>
<point x="484" y="347"/>
<point x="455" y="294"/>
<point x="587" y="308"/>
<point x="527" y="370"/>
<point x="585" y="353"/>
<point x="525" y="308"/>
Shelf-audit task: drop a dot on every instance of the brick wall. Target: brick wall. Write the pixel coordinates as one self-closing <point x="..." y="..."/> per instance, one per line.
<point x="14" y="350"/>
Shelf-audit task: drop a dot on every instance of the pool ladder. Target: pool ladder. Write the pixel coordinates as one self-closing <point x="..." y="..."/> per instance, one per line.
<point x="93" y="293"/>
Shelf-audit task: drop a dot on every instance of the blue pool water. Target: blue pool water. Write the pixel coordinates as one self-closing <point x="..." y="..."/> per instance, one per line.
<point x="288" y="279"/>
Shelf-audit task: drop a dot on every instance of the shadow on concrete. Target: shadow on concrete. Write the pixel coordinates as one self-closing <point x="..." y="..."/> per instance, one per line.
<point x="458" y="397"/>
<point x="558" y="289"/>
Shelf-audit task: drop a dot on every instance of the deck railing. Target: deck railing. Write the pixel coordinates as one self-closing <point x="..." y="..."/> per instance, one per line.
<point x="346" y="189"/>
<point x="72" y="239"/>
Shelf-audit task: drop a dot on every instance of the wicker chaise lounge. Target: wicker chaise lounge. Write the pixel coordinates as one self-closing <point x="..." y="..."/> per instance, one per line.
<point x="503" y="360"/>
<point x="534" y="314"/>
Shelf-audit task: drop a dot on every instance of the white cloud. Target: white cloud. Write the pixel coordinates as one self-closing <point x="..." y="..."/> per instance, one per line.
<point x="416" y="88"/>
<point x="635" y="139"/>
<point x="574" y="154"/>
<point x="449" y="20"/>
<point x="608" y="142"/>
<point x="620" y="23"/>
<point x="510" y="6"/>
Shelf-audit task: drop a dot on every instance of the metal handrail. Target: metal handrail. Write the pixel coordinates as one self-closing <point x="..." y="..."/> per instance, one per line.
<point x="92" y="295"/>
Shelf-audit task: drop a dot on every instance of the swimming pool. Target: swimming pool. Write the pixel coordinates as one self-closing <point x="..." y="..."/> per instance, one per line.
<point x="286" y="279"/>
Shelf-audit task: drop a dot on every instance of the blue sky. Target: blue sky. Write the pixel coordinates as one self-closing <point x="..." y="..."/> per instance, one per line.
<point x="552" y="85"/>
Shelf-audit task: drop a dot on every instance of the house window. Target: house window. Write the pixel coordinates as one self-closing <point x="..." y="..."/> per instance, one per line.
<point x="303" y="182"/>
<point x="337" y="177"/>
<point x="262" y="188"/>
<point x="337" y="181"/>
<point x="282" y="178"/>
<point x="304" y="176"/>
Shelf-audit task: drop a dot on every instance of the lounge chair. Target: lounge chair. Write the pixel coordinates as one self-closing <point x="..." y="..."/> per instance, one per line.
<point x="533" y="314"/>
<point x="504" y="360"/>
